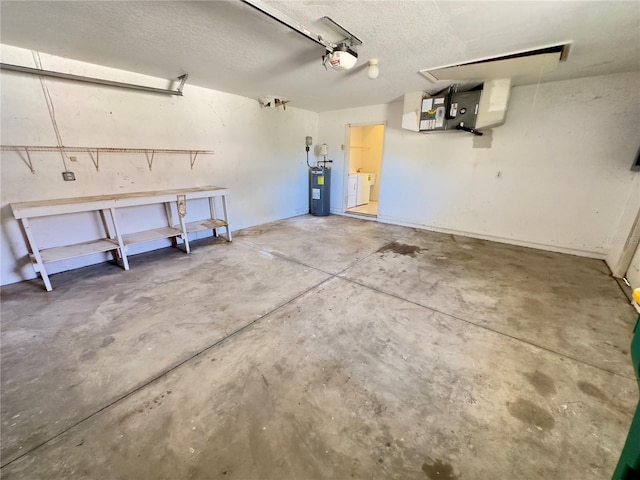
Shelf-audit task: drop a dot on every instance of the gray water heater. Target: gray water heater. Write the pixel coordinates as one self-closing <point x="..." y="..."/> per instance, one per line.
<point x="319" y="191"/>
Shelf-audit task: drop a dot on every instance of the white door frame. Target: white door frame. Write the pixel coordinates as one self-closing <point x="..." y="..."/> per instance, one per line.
<point x="347" y="156"/>
<point x="630" y="247"/>
<point x="632" y="236"/>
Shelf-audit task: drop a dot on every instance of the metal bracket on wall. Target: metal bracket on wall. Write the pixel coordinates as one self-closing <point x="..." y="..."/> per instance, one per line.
<point x="27" y="160"/>
<point x="150" y="160"/>
<point x="192" y="159"/>
<point x="19" y="149"/>
<point x="96" y="161"/>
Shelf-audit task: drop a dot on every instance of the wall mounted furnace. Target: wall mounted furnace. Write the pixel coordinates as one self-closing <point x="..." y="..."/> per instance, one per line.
<point x="451" y="110"/>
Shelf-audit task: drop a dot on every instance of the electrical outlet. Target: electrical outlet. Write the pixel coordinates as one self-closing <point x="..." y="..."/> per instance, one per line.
<point x="68" y="176"/>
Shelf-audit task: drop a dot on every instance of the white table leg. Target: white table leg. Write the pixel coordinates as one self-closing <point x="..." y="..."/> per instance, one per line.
<point x="115" y="253"/>
<point x="226" y="216"/>
<point x="36" y="254"/>
<point x="185" y="236"/>
<point x="123" y="248"/>
<point x="212" y="215"/>
<point x="181" y="207"/>
<point x="169" y="212"/>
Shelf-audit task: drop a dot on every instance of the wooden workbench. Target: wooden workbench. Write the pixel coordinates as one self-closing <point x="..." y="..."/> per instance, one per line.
<point x="116" y="242"/>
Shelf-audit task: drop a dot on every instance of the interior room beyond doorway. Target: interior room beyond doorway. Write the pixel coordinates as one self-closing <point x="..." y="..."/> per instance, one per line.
<point x="365" y="166"/>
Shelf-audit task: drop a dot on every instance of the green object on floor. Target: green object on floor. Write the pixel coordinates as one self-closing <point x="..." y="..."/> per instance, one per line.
<point x="629" y="464"/>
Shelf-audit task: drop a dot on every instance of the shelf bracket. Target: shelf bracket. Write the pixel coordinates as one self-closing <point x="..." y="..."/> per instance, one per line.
<point x="150" y="161"/>
<point x="28" y="161"/>
<point x="192" y="159"/>
<point x="96" y="161"/>
<point x="183" y="79"/>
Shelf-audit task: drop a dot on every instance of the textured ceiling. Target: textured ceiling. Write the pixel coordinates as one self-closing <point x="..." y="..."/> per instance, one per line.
<point x="228" y="46"/>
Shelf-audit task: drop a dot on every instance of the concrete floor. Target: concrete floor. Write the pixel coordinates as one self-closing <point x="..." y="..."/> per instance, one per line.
<point x="320" y="348"/>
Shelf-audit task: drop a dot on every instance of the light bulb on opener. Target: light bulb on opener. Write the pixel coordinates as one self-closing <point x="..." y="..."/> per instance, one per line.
<point x="373" y="71"/>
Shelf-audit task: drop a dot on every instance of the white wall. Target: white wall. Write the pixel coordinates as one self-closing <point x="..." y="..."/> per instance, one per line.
<point x="557" y="175"/>
<point x="259" y="153"/>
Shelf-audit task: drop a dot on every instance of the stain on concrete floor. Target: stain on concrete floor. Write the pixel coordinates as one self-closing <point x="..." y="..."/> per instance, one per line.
<point x="401" y="249"/>
<point x="543" y="383"/>
<point x="591" y="390"/>
<point x="439" y="470"/>
<point x="531" y="414"/>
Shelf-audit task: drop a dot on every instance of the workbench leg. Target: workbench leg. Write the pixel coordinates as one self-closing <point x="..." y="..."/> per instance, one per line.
<point x="169" y="213"/>
<point x="212" y="211"/>
<point x="39" y="264"/>
<point x="123" y="247"/>
<point x="115" y="253"/>
<point x="185" y="236"/>
<point x="226" y="216"/>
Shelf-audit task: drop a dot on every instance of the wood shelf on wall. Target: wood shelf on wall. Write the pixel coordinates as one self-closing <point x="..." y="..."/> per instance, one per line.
<point x="28" y="149"/>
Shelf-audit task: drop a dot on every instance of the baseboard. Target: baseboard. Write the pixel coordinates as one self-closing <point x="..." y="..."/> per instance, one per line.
<point x="493" y="238"/>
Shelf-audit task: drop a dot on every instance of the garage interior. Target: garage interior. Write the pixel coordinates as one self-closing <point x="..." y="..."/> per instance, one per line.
<point x="477" y="327"/>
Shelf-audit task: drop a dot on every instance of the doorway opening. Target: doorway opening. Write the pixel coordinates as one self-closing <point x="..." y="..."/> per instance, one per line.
<point x="365" y="143"/>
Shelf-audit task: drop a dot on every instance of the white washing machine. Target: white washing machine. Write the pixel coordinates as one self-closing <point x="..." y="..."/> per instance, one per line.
<point x="359" y="191"/>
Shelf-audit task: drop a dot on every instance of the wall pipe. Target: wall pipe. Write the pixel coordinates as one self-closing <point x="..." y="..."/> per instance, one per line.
<point x="100" y="81"/>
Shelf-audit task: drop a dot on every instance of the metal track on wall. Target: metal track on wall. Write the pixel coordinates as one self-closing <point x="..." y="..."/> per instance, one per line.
<point x="81" y="78"/>
<point x="28" y="149"/>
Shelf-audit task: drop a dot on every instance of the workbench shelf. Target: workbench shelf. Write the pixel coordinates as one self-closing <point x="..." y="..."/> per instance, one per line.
<point x="117" y="242"/>
<point x="202" y="225"/>
<point x="151" y="235"/>
<point x="56" y="254"/>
